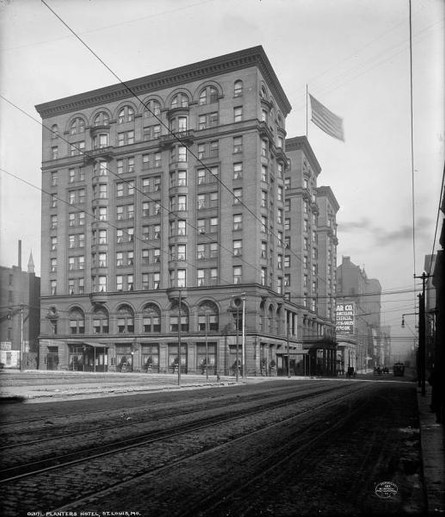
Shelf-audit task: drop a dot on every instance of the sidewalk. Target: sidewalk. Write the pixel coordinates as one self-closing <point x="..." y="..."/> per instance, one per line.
<point x="59" y="385"/>
<point x="432" y="439"/>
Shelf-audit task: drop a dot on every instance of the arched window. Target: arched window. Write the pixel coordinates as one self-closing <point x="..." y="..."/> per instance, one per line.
<point x="77" y="126"/>
<point x="208" y="95"/>
<point x="174" y="317"/>
<point x="262" y="313"/>
<point x="208" y="318"/>
<point x="125" y="320"/>
<point x="101" y="119"/>
<point x="153" y="108"/>
<point x="180" y="100"/>
<point x="238" y="88"/>
<point x="270" y="317"/>
<point x="77" y="321"/>
<point x="126" y="114"/>
<point x="151" y="318"/>
<point x="54" y="131"/>
<point x="100" y="321"/>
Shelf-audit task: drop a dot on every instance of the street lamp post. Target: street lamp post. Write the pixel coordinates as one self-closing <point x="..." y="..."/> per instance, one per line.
<point x="287" y="340"/>
<point x="207" y="346"/>
<point x="237" y="342"/>
<point x="179" y="338"/>
<point x="22" y="307"/>
<point x="244" y="337"/>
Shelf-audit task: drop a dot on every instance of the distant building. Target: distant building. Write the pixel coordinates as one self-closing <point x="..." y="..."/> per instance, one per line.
<point x="386" y="341"/>
<point x="20" y="314"/>
<point x="430" y="312"/>
<point x="364" y="344"/>
<point x="164" y="223"/>
<point x="311" y="255"/>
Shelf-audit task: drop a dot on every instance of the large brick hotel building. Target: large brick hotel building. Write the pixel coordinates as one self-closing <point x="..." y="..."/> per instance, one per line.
<point x="171" y="214"/>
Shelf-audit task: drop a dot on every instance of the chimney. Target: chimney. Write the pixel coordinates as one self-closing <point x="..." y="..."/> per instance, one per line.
<point x="20" y="256"/>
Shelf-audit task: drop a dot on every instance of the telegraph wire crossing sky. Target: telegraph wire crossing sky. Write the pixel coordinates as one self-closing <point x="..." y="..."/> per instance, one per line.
<point x="354" y="57"/>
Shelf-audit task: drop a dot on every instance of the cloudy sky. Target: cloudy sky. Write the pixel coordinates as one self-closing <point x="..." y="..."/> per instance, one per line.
<point x="353" y="55"/>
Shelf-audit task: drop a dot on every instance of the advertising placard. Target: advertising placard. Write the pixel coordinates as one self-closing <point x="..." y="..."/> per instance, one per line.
<point x="344" y="318"/>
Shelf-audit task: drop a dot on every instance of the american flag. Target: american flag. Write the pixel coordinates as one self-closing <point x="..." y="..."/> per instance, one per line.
<point x="326" y="120"/>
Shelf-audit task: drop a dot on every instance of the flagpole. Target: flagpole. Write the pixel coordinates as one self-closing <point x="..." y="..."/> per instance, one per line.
<point x="307" y="114"/>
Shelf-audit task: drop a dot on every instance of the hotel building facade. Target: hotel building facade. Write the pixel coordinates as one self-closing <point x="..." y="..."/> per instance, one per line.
<point x="163" y="225"/>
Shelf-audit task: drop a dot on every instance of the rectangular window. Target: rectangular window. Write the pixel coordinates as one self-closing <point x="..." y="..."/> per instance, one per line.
<point x="264" y="173"/>
<point x="237" y="195"/>
<point x="237" y="222"/>
<point x="237" y="171"/>
<point x="238" y="114"/>
<point x="264" y="146"/>
<point x="263" y="199"/>
<point x="237" y="274"/>
<point x="182" y="153"/>
<point x="237" y="248"/>
<point x="264" y="250"/>
<point x="181" y="278"/>
<point x="214" y="149"/>
<point x="237" y="144"/>
<point x="213" y="224"/>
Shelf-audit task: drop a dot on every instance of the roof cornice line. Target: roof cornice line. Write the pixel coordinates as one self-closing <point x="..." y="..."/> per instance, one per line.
<point x="301" y="142"/>
<point x="254" y="56"/>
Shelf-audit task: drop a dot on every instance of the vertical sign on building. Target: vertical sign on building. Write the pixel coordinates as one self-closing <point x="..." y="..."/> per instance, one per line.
<point x="344" y="318"/>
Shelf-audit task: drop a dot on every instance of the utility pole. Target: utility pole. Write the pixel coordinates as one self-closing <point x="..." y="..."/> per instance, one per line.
<point x="237" y="341"/>
<point x="22" y="307"/>
<point x="179" y="338"/>
<point x="244" y="337"/>
<point x="207" y="346"/>
<point x="287" y="340"/>
<point x="422" y="336"/>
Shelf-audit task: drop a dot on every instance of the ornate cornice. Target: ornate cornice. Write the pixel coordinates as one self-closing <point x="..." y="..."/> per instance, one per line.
<point x="254" y="56"/>
<point x="325" y="191"/>
<point x="301" y="143"/>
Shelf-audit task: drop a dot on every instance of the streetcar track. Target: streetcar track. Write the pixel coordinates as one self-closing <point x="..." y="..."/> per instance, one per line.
<point x="83" y="413"/>
<point x="90" y="498"/>
<point x="128" y="415"/>
<point x="22" y="471"/>
<point x="267" y="467"/>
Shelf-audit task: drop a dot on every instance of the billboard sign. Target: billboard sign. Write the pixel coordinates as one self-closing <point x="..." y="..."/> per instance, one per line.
<point x="344" y="318"/>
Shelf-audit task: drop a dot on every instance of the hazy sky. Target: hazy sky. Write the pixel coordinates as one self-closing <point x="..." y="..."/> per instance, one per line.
<point x="353" y="54"/>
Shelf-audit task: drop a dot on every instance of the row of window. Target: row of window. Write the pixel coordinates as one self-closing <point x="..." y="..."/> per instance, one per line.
<point x="153" y="108"/>
<point x="206" y="251"/>
<point x="128" y="138"/>
<point x="177" y="227"/>
<point x="177" y="278"/>
<point x="126" y="114"/>
<point x="150" y="317"/>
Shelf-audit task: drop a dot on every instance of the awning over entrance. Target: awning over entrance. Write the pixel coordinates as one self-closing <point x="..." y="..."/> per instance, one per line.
<point x="95" y="345"/>
<point x="292" y="352"/>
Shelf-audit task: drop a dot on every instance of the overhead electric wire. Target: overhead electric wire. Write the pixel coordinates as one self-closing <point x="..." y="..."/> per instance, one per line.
<point x="178" y="139"/>
<point x="127" y="181"/>
<point x="372" y="63"/>
<point x="441" y="200"/>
